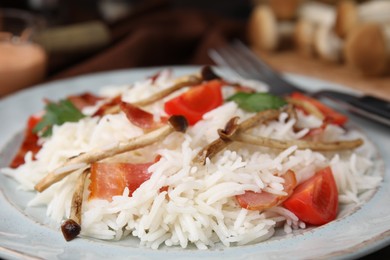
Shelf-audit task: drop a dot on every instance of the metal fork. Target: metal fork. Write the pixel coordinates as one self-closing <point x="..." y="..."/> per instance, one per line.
<point x="240" y="59"/>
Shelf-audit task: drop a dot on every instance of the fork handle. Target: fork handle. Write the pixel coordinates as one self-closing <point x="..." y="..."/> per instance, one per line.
<point x="367" y="106"/>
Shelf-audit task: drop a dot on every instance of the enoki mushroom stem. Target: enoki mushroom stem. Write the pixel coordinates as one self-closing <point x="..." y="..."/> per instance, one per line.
<point x="301" y="144"/>
<point x="221" y="143"/>
<point x="71" y="227"/>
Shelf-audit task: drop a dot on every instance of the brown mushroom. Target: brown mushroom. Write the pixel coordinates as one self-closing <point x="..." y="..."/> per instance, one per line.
<point x="265" y="32"/>
<point x="327" y="44"/>
<point x="71" y="227"/>
<point x="185" y="81"/>
<point x="284" y="144"/>
<point x="304" y="37"/>
<point x="349" y="14"/>
<point x="231" y="127"/>
<point x="285" y="10"/>
<point x="367" y="49"/>
<point x="313" y="33"/>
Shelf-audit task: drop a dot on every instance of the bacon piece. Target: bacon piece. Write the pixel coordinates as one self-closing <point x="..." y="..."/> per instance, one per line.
<point x="30" y="143"/>
<point x="265" y="200"/>
<point x="140" y="117"/>
<point x="83" y="100"/>
<point x="110" y="179"/>
<point x="110" y="107"/>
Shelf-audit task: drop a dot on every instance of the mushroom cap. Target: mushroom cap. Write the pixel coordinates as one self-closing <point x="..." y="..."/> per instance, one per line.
<point x="366" y="49"/>
<point x="285" y="10"/>
<point x="262" y="28"/>
<point x="304" y="37"/>
<point x="346" y="17"/>
<point x="317" y="13"/>
<point x="375" y="11"/>
<point x="327" y="44"/>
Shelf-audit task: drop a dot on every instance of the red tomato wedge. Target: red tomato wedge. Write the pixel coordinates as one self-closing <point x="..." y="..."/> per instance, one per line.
<point x="265" y="200"/>
<point x="30" y="142"/>
<point x="110" y="179"/>
<point x="140" y="117"/>
<point x="331" y="116"/>
<point x="194" y="103"/>
<point x="316" y="200"/>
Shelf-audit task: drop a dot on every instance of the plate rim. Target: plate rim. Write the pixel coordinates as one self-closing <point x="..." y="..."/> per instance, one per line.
<point x="361" y="250"/>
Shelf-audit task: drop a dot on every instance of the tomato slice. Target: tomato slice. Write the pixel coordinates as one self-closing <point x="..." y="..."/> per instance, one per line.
<point x="316" y="200"/>
<point x="194" y="103"/>
<point x="110" y="179"/>
<point x="265" y="200"/>
<point x="331" y="116"/>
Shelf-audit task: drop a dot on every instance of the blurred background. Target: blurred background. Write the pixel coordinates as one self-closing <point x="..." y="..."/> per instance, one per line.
<point x="87" y="36"/>
<point x="343" y="41"/>
<point x="332" y="40"/>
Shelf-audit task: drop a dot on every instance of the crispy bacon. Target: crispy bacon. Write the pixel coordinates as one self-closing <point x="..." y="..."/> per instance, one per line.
<point x="107" y="108"/>
<point x="140" y="117"/>
<point x="30" y="143"/>
<point x="83" y="100"/>
<point x="265" y="200"/>
<point x="110" y="179"/>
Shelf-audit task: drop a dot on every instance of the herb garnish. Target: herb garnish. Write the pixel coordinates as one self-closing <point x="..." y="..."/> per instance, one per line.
<point x="57" y="114"/>
<point x="256" y="102"/>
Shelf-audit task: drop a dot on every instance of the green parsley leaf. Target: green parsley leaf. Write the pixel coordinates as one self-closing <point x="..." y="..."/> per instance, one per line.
<point x="256" y="102"/>
<point x="57" y="114"/>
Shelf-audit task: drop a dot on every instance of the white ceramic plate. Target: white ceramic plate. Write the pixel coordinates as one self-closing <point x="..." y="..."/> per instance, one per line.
<point x="360" y="230"/>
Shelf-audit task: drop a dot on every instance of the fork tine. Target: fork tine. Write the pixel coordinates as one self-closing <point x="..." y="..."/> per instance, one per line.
<point x="246" y="64"/>
<point x="264" y="68"/>
<point x="268" y="74"/>
<point x="228" y="57"/>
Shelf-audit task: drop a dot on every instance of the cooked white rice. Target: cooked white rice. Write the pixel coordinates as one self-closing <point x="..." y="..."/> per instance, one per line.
<point x="201" y="209"/>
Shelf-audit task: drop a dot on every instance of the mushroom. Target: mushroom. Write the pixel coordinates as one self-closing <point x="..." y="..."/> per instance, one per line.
<point x="265" y="32"/>
<point x="189" y="80"/>
<point x="219" y="144"/>
<point x="175" y="123"/>
<point x="367" y="49"/>
<point x="181" y="82"/>
<point x="314" y="34"/>
<point x="284" y="144"/>
<point x="235" y="132"/>
<point x="327" y="44"/>
<point x="349" y="14"/>
<point x="285" y="10"/>
<point x="71" y="227"/>
<point x="304" y="37"/>
<point x="317" y="13"/>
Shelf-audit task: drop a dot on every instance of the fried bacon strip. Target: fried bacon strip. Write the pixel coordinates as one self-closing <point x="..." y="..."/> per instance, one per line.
<point x="71" y="227"/>
<point x="141" y="118"/>
<point x="175" y="123"/>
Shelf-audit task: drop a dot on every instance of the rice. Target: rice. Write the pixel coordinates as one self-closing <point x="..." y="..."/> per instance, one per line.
<point x="199" y="205"/>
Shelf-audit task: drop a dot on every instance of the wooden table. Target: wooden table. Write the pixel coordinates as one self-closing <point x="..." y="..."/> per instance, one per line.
<point x="294" y="62"/>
